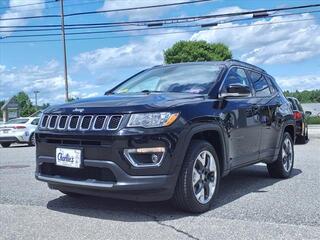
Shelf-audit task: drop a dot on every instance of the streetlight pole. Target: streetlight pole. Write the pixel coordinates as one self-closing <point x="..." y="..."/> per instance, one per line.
<point x="64" y="52"/>
<point x="36" y="97"/>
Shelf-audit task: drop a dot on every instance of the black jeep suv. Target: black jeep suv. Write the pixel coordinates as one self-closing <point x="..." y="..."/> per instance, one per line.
<point x="168" y="132"/>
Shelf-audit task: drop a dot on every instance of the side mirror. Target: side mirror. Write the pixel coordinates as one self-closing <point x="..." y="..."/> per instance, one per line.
<point x="308" y="113"/>
<point x="236" y="90"/>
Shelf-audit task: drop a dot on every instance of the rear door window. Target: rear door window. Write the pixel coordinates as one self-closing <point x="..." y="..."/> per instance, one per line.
<point x="260" y="84"/>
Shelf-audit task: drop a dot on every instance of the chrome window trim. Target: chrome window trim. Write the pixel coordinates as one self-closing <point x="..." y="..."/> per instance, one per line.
<point x="113" y="129"/>
<point x="55" y="124"/>
<point x="80" y="126"/>
<point x="77" y="126"/>
<point x="106" y="117"/>
<point x="67" y="122"/>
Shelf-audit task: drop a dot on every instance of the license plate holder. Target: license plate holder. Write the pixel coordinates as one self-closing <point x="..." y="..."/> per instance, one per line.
<point x="69" y="157"/>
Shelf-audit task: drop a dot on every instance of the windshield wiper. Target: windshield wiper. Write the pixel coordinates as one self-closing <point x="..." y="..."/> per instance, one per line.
<point x="149" y="91"/>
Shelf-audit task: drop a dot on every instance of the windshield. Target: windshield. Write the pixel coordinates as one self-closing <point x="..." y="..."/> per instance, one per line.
<point x="18" y="121"/>
<point x="197" y="78"/>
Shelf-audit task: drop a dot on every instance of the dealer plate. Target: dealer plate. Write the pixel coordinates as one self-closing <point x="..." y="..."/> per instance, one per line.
<point x="68" y="157"/>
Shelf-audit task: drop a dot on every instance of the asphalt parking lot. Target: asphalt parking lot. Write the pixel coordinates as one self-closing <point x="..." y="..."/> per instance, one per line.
<point x="251" y="205"/>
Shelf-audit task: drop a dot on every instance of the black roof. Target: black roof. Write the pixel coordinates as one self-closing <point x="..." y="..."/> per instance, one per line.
<point x="228" y="63"/>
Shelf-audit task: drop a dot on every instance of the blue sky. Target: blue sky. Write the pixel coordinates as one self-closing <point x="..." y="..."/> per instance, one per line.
<point x="289" y="51"/>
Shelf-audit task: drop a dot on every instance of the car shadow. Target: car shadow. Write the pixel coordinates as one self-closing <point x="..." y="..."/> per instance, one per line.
<point x="252" y="179"/>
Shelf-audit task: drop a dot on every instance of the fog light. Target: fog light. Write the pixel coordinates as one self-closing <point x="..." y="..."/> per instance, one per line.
<point x="145" y="157"/>
<point x="154" y="158"/>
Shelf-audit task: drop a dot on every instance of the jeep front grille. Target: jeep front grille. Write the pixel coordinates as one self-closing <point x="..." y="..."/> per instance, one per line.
<point x="82" y="123"/>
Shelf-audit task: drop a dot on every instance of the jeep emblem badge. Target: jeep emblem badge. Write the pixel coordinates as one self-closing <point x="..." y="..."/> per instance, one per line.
<point x="80" y="110"/>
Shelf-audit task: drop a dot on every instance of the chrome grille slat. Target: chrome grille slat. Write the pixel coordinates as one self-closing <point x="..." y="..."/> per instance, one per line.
<point x="53" y="121"/>
<point x="114" y="122"/>
<point x="81" y="122"/>
<point x="62" y="124"/>
<point x="77" y="117"/>
<point x="103" y="121"/>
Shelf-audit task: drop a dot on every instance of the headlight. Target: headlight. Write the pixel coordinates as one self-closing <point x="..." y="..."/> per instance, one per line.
<point x="152" y="120"/>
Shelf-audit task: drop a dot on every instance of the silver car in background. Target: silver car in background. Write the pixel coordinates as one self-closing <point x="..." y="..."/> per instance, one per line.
<point x="19" y="130"/>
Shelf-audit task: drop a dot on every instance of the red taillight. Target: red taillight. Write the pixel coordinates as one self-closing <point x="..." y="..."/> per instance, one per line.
<point x="297" y="115"/>
<point x="19" y="127"/>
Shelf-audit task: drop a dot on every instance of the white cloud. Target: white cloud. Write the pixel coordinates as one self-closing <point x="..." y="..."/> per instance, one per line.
<point x="18" y="12"/>
<point x="48" y="79"/>
<point x="149" y="52"/>
<point x="151" y="13"/>
<point x="264" y="42"/>
<point x="302" y="82"/>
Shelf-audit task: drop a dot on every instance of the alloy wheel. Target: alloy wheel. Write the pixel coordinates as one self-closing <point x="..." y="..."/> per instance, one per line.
<point x="204" y="177"/>
<point x="287" y="154"/>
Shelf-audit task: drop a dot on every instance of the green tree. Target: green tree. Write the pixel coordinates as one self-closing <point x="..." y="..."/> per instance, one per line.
<point x="25" y="104"/>
<point x="196" y="51"/>
<point x="305" y="96"/>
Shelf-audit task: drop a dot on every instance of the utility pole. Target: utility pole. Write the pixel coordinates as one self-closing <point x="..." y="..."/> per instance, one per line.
<point x="64" y="53"/>
<point x="36" y="97"/>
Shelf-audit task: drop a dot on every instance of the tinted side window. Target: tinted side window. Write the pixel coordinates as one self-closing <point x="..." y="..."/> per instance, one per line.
<point x="273" y="86"/>
<point x="260" y="84"/>
<point x="35" y="121"/>
<point x="236" y="76"/>
<point x="293" y="104"/>
<point x="299" y="106"/>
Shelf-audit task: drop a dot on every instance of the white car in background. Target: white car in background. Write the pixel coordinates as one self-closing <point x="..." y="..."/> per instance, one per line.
<point x="19" y="130"/>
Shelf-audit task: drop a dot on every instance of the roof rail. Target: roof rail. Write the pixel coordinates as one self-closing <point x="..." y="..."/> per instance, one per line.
<point x="244" y="63"/>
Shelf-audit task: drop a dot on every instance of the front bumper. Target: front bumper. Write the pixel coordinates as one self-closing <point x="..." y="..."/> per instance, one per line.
<point x="129" y="187"/>
<point x="105" y="170"/>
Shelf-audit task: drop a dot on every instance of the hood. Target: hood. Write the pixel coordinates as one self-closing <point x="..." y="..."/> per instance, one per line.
<point x="126" y="103"/>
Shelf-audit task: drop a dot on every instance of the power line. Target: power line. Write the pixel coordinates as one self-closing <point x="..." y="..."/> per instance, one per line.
<point x="55" y="7"/>
<point x="156" y="34"/>
<point x="177" y="19"/>
<point x="29" y="4"/>
<point x="164" y="20"/>
<point x="111" y="10"/>
<point x="80" y="27"/>
<point x="137" y="8"/>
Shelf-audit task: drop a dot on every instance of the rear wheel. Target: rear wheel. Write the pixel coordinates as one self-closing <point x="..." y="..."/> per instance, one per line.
<point x="302" y="139"/>
<point x="5" y="145"/>
<point x="32" y="141"/>
<point x="199" y="178"/>
<point x="283" y="166"/>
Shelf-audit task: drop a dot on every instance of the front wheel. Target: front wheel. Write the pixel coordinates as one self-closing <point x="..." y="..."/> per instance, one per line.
<point x="32" y="141"/>
<point x="5" y="145"/>
<point x="199" y="178"/>
<point x="283" y="166"/>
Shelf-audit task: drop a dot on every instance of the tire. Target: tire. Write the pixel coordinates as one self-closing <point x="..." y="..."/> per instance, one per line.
<point x="190" y="181"/>
<point x="32" y="141"/>
<point x="71" y="194"/>
<point x="5" y="145"/>
<point x="283" y="166"/>
<point x="302" y="139"/>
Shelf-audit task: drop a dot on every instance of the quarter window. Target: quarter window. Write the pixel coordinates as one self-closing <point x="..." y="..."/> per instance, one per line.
<point x="260" y="84"/>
